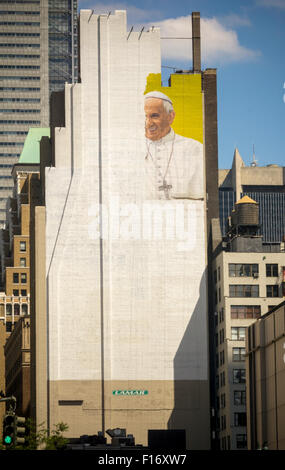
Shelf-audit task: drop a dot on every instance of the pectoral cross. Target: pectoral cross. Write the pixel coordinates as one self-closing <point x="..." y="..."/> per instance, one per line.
<point x="165" y="187"/>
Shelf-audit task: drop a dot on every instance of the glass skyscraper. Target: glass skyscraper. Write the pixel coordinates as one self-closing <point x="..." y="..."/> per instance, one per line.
<point x="63" y="43"/>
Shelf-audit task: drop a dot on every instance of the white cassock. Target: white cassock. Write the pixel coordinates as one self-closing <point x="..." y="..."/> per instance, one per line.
<point x="174" y="168"/>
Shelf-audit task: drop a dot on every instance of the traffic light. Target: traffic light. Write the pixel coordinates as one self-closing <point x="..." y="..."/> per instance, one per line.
<point x="8" y="430"/>
<point x="19" y="430"/>
<point x="13" y="430"/>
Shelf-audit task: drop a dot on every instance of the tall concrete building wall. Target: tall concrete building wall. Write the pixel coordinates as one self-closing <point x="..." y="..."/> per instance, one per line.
<point x="126" y="314"/>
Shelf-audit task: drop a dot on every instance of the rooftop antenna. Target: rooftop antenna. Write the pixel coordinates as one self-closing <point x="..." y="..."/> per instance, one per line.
<point x="254" y="161"/>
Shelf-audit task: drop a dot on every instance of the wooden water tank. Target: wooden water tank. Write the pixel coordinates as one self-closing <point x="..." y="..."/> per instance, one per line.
<point x="246" y="212"/>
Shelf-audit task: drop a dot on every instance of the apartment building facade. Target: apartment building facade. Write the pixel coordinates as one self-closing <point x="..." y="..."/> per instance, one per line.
<point x="265" y="373"/>
<point x="15" y="276"/>
<point x="248" y="282"/>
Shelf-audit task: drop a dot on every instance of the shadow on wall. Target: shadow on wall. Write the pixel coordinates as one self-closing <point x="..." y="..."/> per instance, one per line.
<point x="191" y="395"/>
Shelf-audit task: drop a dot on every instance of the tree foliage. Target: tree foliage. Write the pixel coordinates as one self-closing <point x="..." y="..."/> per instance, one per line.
<point x="41" y="439"/>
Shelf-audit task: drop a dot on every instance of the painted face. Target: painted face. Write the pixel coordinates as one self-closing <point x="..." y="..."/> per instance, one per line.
<point x="157" y="119"/>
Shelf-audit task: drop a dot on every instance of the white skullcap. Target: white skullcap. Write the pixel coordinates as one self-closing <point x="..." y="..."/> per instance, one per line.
<point x="159" y="95"/>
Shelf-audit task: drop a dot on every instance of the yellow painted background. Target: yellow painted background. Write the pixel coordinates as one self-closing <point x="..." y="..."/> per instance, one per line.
<point x="186" y="94"/>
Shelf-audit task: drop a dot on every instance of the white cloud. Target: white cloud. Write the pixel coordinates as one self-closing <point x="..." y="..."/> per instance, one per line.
<point x="219" y="44"/>
<point x="219" y="40"/>
<point x="134" y="14"/>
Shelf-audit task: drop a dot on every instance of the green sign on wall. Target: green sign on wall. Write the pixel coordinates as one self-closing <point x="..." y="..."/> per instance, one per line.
<point x="130" y="392"/>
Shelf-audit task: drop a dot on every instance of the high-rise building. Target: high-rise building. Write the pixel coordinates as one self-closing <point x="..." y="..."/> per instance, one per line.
<point x="38" y="54"/>
<point x="248" y="281"/>
<point x="264" y="184"/>
<point x="119" y="309"/>
<point x="15" y="275"/>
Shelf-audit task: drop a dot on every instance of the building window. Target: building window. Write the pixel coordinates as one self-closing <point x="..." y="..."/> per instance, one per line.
<point x="16" y="292"/>
<point x="22" y="246"/>
<point x="272" y="270"/>
<point x="8" y="326"/>
<point x="20" y="100"/>
<point x="20" y="35"/>
<point x="15" y="278"/>
<point x="222" y="357"/>
<point x="223" y="422"/>
<point x="24" y="292"/>
<point x="243" y="270"/>
<point x="19" y="23"/>
<point x="245" y="311"/>
<point x="20" y="110"/>
<point x="272" y="291"/>
<point x="239" y="376"/>
<point x="223" y="400"/>
<point x="217" y="381"/>
<point x="16" y="309"/>
<point x="23" y="278"/>
<point x="11" y="133"/>
<point x="23" y="262"/>
<point x="229" y="442"/>
<point x="240" y="419"/>
<point x="238" y="333"/>
<point x="20" y="13"/>
<point x="8" y="309"/>
<point x="24" y="309"/>
<point x="241" y="442"/>
<point x="244" y="290"/>
<point x="238" y="354"/>
<point x="239" y="397"/>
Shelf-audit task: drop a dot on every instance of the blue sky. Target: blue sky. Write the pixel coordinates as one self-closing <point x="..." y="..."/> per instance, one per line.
<point x="245" y="42"/>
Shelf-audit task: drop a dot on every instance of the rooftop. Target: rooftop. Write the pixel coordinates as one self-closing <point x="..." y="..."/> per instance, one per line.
<point x="31" y="150"/>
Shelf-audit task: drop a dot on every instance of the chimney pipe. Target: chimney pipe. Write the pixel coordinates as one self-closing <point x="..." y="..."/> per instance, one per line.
<point x="196" y="42"/>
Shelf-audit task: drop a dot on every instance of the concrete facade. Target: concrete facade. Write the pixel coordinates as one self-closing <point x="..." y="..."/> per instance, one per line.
<point x="15" y="297"/>
<point x="265" y="367"/>
<point x="240" y="176"/>
<point x="17" y="365"/>
<point x="123" y="314"/>
<point x="248" y="282"/>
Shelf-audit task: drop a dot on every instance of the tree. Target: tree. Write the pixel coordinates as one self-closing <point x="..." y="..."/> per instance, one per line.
<point x="41" y="439"/>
